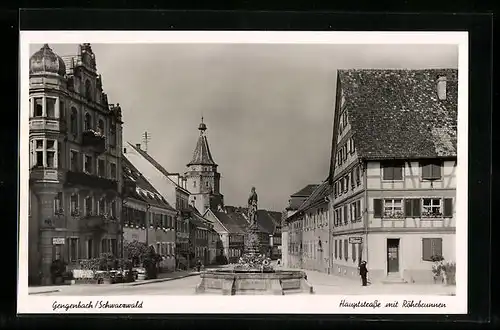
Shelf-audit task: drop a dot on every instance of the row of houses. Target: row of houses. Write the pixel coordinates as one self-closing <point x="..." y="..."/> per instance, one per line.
<point x="89" y="193"/>
<point x="389" y="198"/>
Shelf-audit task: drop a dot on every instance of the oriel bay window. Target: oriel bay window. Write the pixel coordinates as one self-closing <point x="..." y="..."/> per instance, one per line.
<point x="431" y="170"/>
<point x="392" y="170"/>
<point x="51" y="107"/>
<point x="45" y="153"/>
<point x="38" y="107"/>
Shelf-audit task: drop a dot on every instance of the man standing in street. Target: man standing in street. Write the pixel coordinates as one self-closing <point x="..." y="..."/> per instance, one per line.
<point x="363" y="271"/>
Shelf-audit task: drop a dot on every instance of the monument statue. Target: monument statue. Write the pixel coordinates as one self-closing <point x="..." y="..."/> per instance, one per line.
<point x="252" y="207"/>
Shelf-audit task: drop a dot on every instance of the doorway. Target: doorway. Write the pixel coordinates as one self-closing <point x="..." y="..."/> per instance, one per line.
<point x="392" y="255"/>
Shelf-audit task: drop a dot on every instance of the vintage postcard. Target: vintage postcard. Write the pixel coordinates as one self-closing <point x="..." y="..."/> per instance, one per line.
<point x="243" y="172"/>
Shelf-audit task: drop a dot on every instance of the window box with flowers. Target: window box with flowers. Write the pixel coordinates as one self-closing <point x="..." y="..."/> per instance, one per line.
<point x="394" y="215"/>
<point x="75" y="213"/>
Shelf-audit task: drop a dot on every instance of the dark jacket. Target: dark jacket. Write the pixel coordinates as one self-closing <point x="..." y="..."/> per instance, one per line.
<point x="363" y="270"/>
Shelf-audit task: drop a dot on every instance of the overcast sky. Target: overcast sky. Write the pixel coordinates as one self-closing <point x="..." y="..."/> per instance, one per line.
<point x="268" y="108"/>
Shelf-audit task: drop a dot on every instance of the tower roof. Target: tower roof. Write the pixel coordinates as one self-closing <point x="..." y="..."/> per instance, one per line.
<point x="45" y="60"/>
<point x="201" y="154"/>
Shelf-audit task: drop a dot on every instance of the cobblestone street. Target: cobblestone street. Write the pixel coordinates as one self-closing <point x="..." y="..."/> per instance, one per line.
<point x="322" y="283"/>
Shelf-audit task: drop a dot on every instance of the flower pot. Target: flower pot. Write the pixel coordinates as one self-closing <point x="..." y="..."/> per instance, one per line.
<point x="141" y="277"/>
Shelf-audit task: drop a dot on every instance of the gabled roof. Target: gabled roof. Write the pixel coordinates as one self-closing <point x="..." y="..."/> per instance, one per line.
<point x="306" y="191"/>
<point x="144" y="190"/>
<point x="235" y="223"/>
<point x="157" y="165"/>
<point x="265" y="222"/>
<point x="150" y="159"/>
<point x="317" y="197"/>
<point x="396" y="114"/>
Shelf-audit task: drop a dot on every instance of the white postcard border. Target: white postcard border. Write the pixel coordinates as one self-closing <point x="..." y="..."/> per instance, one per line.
<point x="313" y="304"/>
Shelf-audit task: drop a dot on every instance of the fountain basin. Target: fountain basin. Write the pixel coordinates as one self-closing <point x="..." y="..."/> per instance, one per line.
<point x="253" y="282"/>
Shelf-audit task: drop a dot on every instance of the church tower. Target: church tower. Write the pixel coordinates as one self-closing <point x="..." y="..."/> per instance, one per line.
<point x="203" y="180"/>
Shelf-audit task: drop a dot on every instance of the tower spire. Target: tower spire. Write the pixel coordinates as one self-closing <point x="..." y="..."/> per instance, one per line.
<point x="202" y="126"/>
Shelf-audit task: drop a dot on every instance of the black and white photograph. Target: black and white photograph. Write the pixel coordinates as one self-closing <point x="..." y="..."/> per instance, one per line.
<point x="295" y="171"/>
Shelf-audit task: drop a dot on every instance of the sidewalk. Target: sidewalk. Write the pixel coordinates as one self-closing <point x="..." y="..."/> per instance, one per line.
<point x="331" y="284"/>
<point x="162" y="277"/>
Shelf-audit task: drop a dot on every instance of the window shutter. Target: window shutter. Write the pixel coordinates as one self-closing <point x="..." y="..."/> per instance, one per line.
<point x="398" y="172"/>
<point x="426" y="249"/>
<point x="377" y="208"/>
<point x="436" y="171"/>
<point x="426" y="171"/>
<point x="416" y="208"/>
<point x="448" y="207"/>
<point x="408" y="207"/>
<point x="438" y="246"/>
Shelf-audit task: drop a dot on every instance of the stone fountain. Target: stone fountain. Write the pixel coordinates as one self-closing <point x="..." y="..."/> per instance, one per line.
<point x="253" y="274"/>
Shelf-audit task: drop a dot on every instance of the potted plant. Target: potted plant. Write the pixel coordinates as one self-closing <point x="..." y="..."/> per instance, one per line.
<point x="449" y="270"/>
<point x="437" y="268"/>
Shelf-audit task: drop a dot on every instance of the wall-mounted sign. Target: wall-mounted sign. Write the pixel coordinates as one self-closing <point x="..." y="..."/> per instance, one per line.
<point x="58" y="240"/>
<point x="355" y="240"/>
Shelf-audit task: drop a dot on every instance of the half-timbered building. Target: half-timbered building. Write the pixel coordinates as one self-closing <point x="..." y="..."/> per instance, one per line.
<point x="393" y="166"/>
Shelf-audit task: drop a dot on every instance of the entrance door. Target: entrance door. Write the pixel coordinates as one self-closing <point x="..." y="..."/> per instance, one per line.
<point x="393" y="255"/>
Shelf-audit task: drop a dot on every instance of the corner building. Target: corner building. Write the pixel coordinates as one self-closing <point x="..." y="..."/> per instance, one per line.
<point x="75" y="141"/>
<point x="393" y="171"/>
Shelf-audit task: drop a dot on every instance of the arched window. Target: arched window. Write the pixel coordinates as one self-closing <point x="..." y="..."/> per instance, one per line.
<point x="88" y="90"/>
<point x="100" y="126"/>
<point x="88" y="120"/>
<point x="74" y="120"/>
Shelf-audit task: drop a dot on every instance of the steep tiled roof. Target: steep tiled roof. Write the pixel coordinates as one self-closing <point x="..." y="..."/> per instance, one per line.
<point x="306" y="191"/>
<point x="153" y="162"/>
<point x="317" y="197"/>
<point x="396" y="114"/>
<point x="144" y="190"/>
<point x="233" y="222"/>
<point x="202" y="155"/>
<point x="276" y="216"/>
<point x="265" y="221"/>
<point x="150" y="159"/>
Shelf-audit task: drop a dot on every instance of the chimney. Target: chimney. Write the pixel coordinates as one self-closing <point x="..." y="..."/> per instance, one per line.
<point x="441" y="87"/>
<point x="138" y="145"/>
